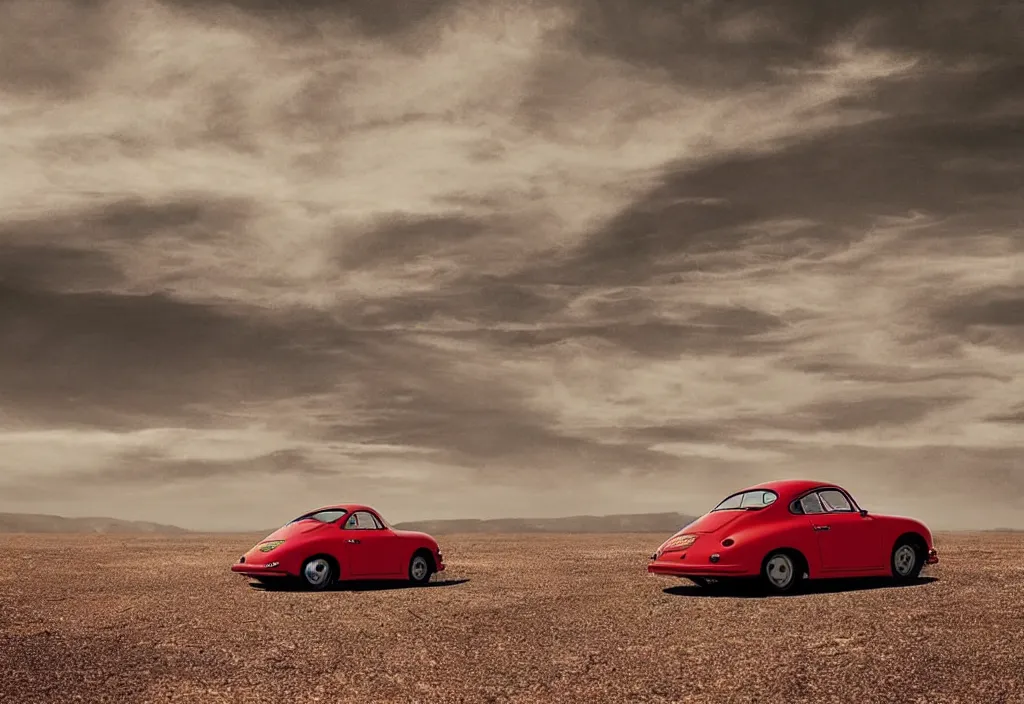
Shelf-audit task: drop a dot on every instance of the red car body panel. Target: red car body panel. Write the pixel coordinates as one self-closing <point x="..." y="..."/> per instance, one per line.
<point x="359" y="553"/>
<point x="841" y="544"/>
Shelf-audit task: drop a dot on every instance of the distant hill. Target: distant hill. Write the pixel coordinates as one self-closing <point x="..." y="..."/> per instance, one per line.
<point x="41" y="523"/>
<point x="622" y="523"/>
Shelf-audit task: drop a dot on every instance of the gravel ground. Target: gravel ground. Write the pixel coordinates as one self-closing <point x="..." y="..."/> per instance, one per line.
<point x="514" y="619"/>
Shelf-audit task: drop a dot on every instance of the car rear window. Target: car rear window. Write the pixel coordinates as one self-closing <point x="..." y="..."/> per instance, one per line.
<point x="322" y="516"/>
<point x="747" y="500"/>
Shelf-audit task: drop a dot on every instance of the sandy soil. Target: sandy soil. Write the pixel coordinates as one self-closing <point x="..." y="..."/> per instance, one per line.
<point x="517" y="619"/>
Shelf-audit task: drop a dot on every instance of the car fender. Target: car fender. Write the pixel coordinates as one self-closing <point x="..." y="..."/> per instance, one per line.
<point x="411" y="542"/>
<point x="754" y="543"/>
<point x="294" y="555"/>
<point x="895" y="527"/>
<point x="289" y="558"/>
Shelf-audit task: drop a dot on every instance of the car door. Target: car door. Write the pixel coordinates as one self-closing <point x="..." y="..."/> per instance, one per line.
<point x="847" y="541"/>
<point x="369" y="546"/>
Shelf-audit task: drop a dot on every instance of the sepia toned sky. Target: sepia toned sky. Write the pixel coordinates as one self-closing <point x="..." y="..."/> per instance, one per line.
<point x="484" y="259"/>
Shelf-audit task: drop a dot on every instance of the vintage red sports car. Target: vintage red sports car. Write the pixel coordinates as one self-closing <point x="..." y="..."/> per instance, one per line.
<point x="785" y="531"/>
<point x="346" y="542"/>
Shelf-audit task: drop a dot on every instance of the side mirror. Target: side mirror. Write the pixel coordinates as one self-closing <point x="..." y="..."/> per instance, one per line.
<point x="863" y="512"/>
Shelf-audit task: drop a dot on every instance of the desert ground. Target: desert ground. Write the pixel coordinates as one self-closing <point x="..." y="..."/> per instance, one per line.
<point x="540" y="618"/>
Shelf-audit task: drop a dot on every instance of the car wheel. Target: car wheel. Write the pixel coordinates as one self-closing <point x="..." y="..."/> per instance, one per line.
<point x="317" y="573"/>
<point x="906" y="561"/>
<point x="780" y="574"/>
<point x="419" y="569"/>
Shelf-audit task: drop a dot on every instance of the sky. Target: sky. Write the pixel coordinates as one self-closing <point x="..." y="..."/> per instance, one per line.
<point x="467" y="258"/>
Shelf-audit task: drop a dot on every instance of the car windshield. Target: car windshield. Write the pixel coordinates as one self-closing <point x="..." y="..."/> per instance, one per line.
<point x="747" y="501"/>
<point x="328" y="516"/>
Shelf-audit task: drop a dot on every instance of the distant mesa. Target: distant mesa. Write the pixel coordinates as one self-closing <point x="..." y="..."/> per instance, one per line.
<point x="622" y="523"/>
<point x="41" y="523"/>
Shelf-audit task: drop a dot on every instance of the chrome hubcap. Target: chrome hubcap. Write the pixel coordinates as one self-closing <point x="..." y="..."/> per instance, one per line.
<point x="317" y="571"/>
<point x="904" y="560"/>
<point x="419" y="568"/>
<point x="780" y="571"/>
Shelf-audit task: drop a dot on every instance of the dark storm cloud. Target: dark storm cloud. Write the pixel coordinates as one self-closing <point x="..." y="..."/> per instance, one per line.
<point x="713" y="258"/>
<point x="378" y="18"/>
<point x="56" y="267"/>
<point x="994" y="316"/>
<point x="477" y="300"/>
<point x="148" y="467"/>
<point x="841" y="415"/>
<point x="401" y="238"/>
<point x="834" y="415"/>
<point x="39" y="56"/>
<point x="829" y="189"/>
<point x="118" y="223"/>
<point x="686" y="432"/>
<point x="1014" y="417"/>
<point x="136" y="358"/>
<point x="720" y="45"/>
<point x="477" y="419"/>
<point x="101" y="359"/>
<point x="137" y="217"/>
<point x="999" y="307"/>
<point x="649" y="339"/>
<point x="877" y="372"/>
<point x="991" y="86"/>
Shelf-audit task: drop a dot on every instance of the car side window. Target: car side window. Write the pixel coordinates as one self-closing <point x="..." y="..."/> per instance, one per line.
<point x="834" y="501"/>
<point x="811" y="504"/>
<point x="362" y="520"/>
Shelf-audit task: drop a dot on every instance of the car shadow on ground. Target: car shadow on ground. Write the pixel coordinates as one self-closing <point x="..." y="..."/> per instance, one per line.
<point x="751" y="590"/>
<point x="356" y="586"/>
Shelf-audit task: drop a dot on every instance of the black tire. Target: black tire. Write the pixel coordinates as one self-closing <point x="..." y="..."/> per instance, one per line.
<point x="907" y="560"/>
<point x="421" y="567"/>
<point x="781" y="572"/>
<point x="317" y="573"/>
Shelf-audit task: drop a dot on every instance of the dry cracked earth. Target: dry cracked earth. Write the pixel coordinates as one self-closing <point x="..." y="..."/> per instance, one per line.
<point x="514" y="619"/>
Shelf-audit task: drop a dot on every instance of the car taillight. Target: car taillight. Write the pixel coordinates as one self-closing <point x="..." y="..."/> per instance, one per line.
<point x="680" y="542"/>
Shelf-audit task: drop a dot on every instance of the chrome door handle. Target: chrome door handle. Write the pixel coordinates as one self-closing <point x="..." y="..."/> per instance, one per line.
<point x="352" y="540"/>
<point x="821" y="527"/>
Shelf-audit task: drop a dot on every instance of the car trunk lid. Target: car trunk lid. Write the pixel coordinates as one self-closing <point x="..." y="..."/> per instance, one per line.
<point x="293" y="530"/>
<point x="712" y="522"/>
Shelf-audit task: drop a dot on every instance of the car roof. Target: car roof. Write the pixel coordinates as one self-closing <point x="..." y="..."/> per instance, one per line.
<point x="790" y="488"/>
<point x="344" y="507"/>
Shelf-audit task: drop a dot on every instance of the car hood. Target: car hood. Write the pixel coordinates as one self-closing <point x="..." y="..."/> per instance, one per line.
<point x="413" y="534"/>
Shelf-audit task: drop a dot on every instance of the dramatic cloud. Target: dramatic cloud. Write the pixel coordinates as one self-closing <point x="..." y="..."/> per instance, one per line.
<point x="482" y="258"/>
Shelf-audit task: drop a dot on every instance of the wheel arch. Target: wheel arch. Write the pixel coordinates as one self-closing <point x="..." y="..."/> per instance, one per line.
<point x="427" y="553"/>
<point x="913" y="537"/>
<point x="799" y="559"/>
<point x="331" y="560"/>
